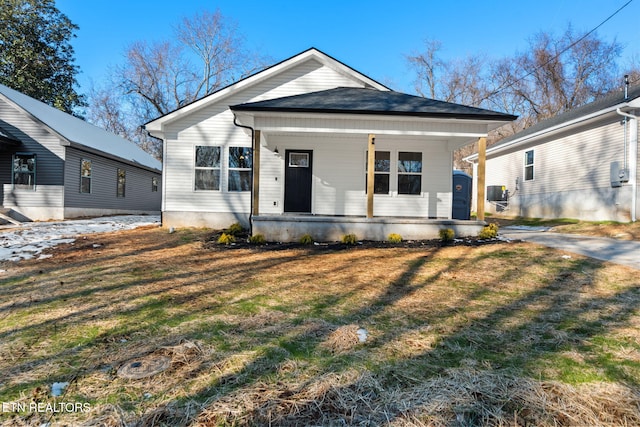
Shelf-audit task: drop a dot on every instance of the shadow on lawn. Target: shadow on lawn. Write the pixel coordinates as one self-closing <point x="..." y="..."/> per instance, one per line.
<point x="484" y="326"/>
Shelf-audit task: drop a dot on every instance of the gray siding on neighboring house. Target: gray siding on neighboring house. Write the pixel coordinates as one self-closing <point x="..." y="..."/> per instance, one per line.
<point x="103" y="196"/>
<point x="571" y="175"/>
<point x="49" y="153"/>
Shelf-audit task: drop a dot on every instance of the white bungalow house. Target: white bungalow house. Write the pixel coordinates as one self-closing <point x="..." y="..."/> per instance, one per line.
<point x="582" y="164"/>
<point x="57" y="166"/>
<point x="310" y="145"/>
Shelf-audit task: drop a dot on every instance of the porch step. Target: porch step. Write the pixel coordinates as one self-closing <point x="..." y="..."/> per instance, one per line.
<point x="4" y="217"/>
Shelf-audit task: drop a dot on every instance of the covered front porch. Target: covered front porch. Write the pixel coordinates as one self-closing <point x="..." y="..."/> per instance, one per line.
<point x="382" y="163"/>
<point x="291" y="227"/>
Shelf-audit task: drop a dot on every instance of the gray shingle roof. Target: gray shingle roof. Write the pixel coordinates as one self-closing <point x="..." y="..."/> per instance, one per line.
<point x="80" y="132"/>
<point x="350" y="100"/>
<point x="607" y="101"/>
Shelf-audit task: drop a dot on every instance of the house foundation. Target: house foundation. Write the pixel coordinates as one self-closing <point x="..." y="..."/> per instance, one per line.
<point x="290" y="228"/>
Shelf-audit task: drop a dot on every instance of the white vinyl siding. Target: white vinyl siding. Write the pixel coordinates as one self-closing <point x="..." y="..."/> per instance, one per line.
<point x="338" y="176"/>
<point x="208" y="125"/>
<point x="571" y="175"/>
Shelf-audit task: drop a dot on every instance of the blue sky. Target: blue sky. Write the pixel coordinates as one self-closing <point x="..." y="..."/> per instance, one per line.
<point x="371" y="36"/>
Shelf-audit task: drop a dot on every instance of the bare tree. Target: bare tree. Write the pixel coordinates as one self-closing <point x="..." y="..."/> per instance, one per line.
<point x="561" y="73"/>
<point x="428" y="67"/>
<point x="206" y="54"/>
<point x="555" y="74"/>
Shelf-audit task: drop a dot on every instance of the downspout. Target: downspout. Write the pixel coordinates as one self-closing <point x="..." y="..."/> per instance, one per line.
<point x="253" y="150"/>
<point x="633" y="158"/>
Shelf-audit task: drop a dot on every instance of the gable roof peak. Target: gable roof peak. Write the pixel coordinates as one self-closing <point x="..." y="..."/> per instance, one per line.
<point x="308" y="54"/>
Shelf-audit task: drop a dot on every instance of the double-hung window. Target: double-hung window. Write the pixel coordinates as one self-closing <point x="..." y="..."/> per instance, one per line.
<point x="409" y="172"/>
<point x="122" y="180"/>
<point x="207" y="169"/>
<point x="528" y="165"/>
<point x="382" y="172"/>
<point x="154" y="184"/>
<point x="85" y="176"/>
<point x="240" y="164"/>
<point x="24" y="171"/>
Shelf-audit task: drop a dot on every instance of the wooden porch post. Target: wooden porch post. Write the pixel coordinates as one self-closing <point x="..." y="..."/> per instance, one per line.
<point x="255" y="185"/>
<point x="371" y="159"/>
<point x="482" y="158"/>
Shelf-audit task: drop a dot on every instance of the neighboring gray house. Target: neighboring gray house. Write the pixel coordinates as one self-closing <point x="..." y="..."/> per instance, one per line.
<point x="582" y="164"/>
<point x="56" y="166"/>
<point x="310" y="145"/>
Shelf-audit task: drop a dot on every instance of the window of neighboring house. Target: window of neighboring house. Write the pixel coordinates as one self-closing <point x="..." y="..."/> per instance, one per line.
<point x="240" y="164"/>
<point x="409" y="172"/>
<point x="528" y="165"/>
<point x="24" y="171"/>
<point x="85" y="176"/>
<point x="382" y="172"/>
<point x="154" y="184"/>
<point x="207" y="169"/>
<point x="122" y="178"/>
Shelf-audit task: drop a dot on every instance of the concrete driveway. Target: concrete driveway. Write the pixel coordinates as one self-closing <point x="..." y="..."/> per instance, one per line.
<point x="625" y="252"/>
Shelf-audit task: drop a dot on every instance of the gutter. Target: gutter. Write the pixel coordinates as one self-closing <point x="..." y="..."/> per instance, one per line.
<point x="500" y="147"/>
<point x="253" y="150"/>
<point x="633" y="160"/>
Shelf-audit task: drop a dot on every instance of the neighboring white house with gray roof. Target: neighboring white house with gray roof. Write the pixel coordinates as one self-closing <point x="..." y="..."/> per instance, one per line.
<point x="58" y="166"/>
<point x="286" y="151"/>
<point x="582" y="164"/>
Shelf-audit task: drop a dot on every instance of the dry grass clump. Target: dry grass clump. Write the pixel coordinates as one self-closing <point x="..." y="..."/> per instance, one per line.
<point x="460" y="397"/>
<point x="471" y="397"/>
<point x="342" y="340"/>
<point x="347" y="398"/>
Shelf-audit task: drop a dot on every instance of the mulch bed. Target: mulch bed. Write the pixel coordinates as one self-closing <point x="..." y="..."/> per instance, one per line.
<point x="242" y="242"/>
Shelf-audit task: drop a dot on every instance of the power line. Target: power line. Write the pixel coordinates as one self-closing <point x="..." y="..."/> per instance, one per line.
<point x="506" y="85"/>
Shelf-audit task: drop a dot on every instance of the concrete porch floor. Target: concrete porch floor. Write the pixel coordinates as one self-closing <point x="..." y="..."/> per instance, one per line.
<point x="291" y="227"/>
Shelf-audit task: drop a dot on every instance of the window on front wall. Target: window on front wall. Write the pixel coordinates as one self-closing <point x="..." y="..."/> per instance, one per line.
<point x="154" y="184"/>
<point x="24" y="171"/>
<point x="240" y="164"/>
<point x="85" y="176"/>
<point x="382" y="172"/>
<point x="122" y="180"/>
<point x="207" y="169"/>
<point x="528" y="165"/>
<point x="409" y="172"/>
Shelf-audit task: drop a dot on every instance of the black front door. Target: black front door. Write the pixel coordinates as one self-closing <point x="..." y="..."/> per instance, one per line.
<point x="297" y="180"/>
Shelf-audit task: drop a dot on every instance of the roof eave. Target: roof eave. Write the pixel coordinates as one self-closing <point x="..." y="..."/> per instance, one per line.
<point x="482" y="117"/>
<point x="552" y="129"/>
<point x="81" y="147"/>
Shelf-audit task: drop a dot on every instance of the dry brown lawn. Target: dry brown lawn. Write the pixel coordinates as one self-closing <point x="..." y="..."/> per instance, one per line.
<point x="504" y="334"/>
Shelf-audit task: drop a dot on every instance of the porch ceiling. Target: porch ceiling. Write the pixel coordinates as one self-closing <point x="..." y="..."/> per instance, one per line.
<point x="455" y="132"/>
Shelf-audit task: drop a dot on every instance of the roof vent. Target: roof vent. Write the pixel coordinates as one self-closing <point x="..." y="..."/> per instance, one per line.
<point x="626" y="87"/>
